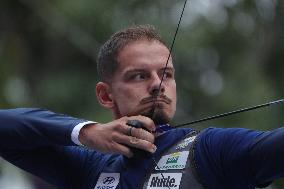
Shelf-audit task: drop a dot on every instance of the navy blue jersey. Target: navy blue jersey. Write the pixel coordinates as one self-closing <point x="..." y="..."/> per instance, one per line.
<point x="239" y="158"/>
<point x="39" y="142"/>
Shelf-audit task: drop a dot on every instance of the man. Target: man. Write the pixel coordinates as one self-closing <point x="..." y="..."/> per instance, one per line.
<point x="131" y="65"/>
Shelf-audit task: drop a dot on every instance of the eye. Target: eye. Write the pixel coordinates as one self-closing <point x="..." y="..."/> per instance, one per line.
<point x="168" y="75"/>
<point x="138" y="77"/>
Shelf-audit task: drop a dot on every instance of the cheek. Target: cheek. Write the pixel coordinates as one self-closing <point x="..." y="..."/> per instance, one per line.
<point x="173" y="96"/>
<point x="127" y="101"/>
<point x="172" y="91"/>
<point x="127" y="95"/>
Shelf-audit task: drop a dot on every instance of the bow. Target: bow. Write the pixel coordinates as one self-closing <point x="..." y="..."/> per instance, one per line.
<point x="237" y="111"/>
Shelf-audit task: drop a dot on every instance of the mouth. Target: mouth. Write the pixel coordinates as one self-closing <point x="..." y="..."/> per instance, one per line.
<point x="156" y="100"/>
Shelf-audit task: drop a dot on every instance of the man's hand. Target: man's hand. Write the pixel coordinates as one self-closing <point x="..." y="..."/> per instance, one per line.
<point x="114" y="137"/>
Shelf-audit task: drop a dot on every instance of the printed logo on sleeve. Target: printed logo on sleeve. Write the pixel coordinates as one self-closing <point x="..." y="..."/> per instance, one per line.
<point x="108" y="181"/>
<point x="175" y="160"/>
<point x="185" y="142"/>
<point x="168" y="180"/>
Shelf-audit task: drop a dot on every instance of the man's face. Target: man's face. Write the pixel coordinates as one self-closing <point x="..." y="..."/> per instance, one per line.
<point x="135" y="83"/>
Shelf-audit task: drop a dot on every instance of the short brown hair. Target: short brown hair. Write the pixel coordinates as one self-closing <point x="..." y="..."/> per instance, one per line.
<point x="107" y="57"/>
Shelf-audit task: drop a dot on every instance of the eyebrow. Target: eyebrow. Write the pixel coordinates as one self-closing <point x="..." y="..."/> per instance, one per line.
<point x="133" y="71"/>
<point x="172" y="69"/>
<point x="168" y="69"/>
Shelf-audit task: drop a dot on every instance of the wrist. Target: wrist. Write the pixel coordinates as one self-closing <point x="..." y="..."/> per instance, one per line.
<point x="83" y="134"/>
<point x="76" y="131"/>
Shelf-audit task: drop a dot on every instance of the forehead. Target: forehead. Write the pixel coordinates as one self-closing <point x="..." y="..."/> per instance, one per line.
<point x="143" y="54"/>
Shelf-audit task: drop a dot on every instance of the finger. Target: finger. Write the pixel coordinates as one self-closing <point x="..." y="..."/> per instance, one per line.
<point x="147" y="122"/>
<point x="142" y="134"/>
<point x="121" y="149"/>
<point x="137" y="132"/>
<point x="122" y="128"/>
<point x="136" y="142"/>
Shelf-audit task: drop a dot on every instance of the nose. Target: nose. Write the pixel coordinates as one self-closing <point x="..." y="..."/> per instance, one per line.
<point x="157" y="86"/>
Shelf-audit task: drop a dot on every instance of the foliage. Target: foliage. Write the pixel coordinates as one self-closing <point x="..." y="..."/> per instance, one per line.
<point x="228" y="55"/>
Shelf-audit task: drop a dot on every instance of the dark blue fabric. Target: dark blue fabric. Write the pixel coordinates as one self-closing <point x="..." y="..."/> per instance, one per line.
<point x="39" y="142"/>
<point x="133" y="171"/>
<point x="239" y="158"/>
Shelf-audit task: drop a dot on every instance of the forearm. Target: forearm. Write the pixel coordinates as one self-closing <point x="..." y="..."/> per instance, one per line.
<point x="267" y="155"/>
<point x="30" y="128"/>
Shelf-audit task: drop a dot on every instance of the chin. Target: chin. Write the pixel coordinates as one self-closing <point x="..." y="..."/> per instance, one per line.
<point x="159" y="116"/>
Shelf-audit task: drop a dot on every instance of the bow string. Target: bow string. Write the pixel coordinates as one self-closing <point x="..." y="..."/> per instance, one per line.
<point x="237" y="111"/>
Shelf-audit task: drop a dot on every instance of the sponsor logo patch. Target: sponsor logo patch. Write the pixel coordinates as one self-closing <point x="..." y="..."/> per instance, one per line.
<point x="170" y="180"/>
<point x="175" y="160"/>
<point x="108" y="181"/>
<point x="185" y="142"/>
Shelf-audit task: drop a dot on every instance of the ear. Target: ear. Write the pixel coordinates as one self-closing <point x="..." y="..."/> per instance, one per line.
<point x="104" y="95"/>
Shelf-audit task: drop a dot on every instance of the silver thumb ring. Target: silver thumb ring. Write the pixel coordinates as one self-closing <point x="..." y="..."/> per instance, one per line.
<point x="129" y="131"/>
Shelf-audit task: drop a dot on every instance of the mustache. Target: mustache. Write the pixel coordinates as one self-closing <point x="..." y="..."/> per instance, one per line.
<point x="162" y="97"/>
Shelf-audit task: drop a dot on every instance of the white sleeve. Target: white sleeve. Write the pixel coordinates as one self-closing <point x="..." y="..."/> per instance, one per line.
<point x="76" y="130"/>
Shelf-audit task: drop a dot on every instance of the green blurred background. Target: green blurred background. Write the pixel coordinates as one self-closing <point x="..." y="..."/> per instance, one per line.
<point x="227" y="55"/>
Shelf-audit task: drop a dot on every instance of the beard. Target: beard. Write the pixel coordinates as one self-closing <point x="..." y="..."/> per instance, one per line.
<point x="158" y="115"/>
